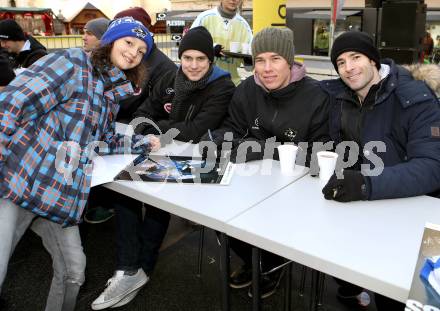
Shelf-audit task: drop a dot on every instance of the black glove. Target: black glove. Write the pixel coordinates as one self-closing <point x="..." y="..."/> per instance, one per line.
<point x="350" y="188"/>
<point x="217" y="49"/>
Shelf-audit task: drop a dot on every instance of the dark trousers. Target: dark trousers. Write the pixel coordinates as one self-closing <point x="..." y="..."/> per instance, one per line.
<point x="382" y="303"/>
<point x="244" y="251"/>
<point x="138" y="240"/>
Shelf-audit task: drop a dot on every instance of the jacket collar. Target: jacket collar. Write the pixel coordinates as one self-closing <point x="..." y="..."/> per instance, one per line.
<point x="387" y="72"/>
<point x="116" y="84"/>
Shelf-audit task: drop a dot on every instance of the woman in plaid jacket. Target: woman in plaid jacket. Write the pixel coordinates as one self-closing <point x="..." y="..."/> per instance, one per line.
<point x="52" y="117"/>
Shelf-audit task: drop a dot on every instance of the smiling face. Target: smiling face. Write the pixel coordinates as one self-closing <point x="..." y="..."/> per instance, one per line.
<point x="358" y="72"/>
<point x="195" y="64"/>
<point x="127" y="52"/>
<point x="272" y="70"/>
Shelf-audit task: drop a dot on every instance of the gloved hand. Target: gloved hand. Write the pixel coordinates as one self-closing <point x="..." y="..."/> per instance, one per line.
<point x="351" y="188"/>
<point x="217" y="50"/>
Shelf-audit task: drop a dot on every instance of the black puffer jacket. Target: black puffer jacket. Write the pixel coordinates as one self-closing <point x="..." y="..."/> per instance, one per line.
<point x="206" y="109"/>
<point x="296" y="113"/>
<point x="26" y="58"/>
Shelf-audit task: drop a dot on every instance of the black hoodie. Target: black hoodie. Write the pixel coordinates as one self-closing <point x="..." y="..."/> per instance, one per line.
<point x="26" y="58"/>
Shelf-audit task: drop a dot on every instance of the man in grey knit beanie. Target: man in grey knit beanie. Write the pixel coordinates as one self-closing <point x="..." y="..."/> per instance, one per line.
<point x="276" y="40"/>
<point x="93" y="31"/>
<point x="278" y="104"/>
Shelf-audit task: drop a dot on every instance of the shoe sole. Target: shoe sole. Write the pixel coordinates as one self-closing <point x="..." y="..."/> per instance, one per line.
<point x="114" y="301"/>
<point x="94" y="222"/>
<point x="126" y="299"/>
<point x="268" y="294"/>
<point x="241" y="285"/>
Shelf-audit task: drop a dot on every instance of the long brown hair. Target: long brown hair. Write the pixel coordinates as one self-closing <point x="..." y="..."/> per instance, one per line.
<point x="100" y="58"/>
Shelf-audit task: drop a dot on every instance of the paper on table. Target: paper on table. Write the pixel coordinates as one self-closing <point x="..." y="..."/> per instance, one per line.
<point x="105" y="168"/>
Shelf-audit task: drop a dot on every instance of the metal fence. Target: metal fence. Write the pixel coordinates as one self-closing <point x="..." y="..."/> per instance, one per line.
<point x="163" y="41"/>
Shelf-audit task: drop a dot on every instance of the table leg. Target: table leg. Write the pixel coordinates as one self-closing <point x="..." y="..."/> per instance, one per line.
<point x="320" y="291"/>
<point x="288" y="288"/>
<point x="313" y="290"/>
<point x="256" y="258"/>
<point x="224" y="269"/>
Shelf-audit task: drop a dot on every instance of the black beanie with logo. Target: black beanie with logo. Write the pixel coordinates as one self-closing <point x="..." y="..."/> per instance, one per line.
<point x="11" y="30"/>
<point x="199" y="39"/>
<point x="355" y="41"/>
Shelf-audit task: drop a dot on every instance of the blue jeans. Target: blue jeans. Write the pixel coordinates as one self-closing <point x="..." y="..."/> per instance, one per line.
<point x="63" y="244"/>
<point x="138" y="240"/>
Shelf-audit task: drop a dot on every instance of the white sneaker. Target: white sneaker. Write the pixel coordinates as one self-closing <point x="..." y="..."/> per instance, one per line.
<point x="126" y="299"/>
<point x="118" y="288"/>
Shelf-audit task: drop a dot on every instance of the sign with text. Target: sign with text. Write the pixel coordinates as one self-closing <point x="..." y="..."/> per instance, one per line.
<point x="269" y="14"/>
<point x="161" y="16"/>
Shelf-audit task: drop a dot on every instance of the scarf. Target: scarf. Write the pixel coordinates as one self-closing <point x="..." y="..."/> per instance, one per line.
<point x="183" y="88"/>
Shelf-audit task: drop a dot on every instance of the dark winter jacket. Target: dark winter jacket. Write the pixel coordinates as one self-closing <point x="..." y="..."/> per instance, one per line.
<point x="206" y="110"/>
<point x="406" y="117"/>
<point x="26" y="58"/>
<point x="296" y="113"/>
<point x="157" y="64"/>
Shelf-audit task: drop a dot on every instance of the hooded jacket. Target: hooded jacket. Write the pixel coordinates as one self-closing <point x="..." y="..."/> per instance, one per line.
<point x="296" y="113"/>
<point x="26" y="58"/>
<point x="206" y="110"/>
<point x="405" y="116"/>
<point x="49" y="116"/>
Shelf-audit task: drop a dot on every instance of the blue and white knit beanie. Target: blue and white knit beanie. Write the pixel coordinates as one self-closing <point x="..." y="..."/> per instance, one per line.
<point x="128" y="27"/>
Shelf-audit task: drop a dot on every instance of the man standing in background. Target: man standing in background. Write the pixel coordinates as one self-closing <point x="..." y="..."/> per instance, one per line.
<point x="93" y="31"/>
<point x="23" y="49"/>
<point x="226" y="25"/>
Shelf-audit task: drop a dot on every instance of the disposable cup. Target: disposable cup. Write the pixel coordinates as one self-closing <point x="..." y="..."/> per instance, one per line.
<point x="245" y="48"/>
<point x="327" y="164"/>
<point x="234" y="47"/>
<point x="287" y="155"/>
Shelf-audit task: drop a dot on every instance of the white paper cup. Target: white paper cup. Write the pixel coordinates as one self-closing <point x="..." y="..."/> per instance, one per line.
<point x="327" y="164"/>
<point x="245" y="48"/>
<point x="287" y="154"/>
<point x="234" y="46"/>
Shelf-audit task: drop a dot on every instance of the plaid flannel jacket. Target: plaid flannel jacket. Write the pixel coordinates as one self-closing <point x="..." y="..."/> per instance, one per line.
<point x="49" y="116"/>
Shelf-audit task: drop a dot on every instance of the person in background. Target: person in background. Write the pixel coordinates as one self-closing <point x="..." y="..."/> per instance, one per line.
<point x="101" y="199"/>
<point x="428" y="47"/>
<point x="378" y="101"/>
<point x="321" y="41"/>
<point x="278" y="102"/>
<point x="93" y="31"/>
<point x="226" y="25"/>
<point x="192" y="99"/>
<point x="51" y="114"/>
<point x="157" y="64"/>
<point x="23" y="49"/>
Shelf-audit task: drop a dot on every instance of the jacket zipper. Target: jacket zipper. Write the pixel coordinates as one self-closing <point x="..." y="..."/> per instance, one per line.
<point x="190" y="111"/>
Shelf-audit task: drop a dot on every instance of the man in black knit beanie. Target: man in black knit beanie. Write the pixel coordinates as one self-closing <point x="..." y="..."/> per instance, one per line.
<point x="395" y="122"/>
